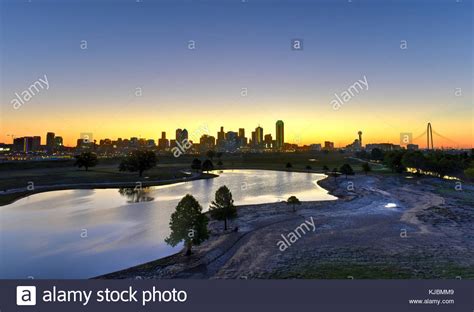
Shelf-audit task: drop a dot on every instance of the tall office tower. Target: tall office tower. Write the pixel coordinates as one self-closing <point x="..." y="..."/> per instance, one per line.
<point x="163" y="142"/>
<point x="360" y="138"/>
<point x="179" y="135"/>
<point x="242" y="138"/>
<point x="36" y="143"/>
<point x="259" y="135"/>
<point x="268" y="141"/>
<point x="28" y="144"/>
<point x="207" y="142"/>
<point x="221" y="138"/>
<point x="232" y="142"/>
<point x="221" y="134"/>
<point x="184" y="134"/>
<point x="280" y="134"/>
<point x="50" y="139"/>
<point x="18" y="144"/>
<point x="50" y="142"/>
<point x="254" y="138"/>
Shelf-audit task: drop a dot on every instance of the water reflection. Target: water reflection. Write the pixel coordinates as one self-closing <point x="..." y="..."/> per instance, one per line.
<point x="136" y="194"/>
<point x="125" y="227"/>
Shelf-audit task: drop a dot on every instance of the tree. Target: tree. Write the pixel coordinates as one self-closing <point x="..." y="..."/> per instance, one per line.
<point x="222" y="208"/>
<point x="347" y="170"/>
<point x="325" y="169"/>
<point x="362" y="154"/>
<point x="393" y="160"/>
<point x="293" y="201"/>
<point x="207" y="165"/>
<point x="288" y="165"/>
<point x="308" y="167"/>
<point x="86" y="160"/>
<point x="414" y="159"/>
<point x="469" y="173"/>
<point x="196" y="164"/>
<point x="366" y="167"/>
<point x="188" y="224"/>
<point x="376" y="154"/>
<point x="334" y="173"/>
<point x="219" y="163"/>
<point x="138" y="160"/>
<point x="211" y="154"/>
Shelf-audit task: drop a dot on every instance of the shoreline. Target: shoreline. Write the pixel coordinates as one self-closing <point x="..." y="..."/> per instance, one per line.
<point x="356" y="234"/>
<point x="193" y="261"/>
<point x="17" y="195"/>
<point x="14" y="195"/>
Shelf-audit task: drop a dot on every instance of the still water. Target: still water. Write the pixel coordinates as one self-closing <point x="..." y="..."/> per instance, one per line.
<point x="85" y="233"/>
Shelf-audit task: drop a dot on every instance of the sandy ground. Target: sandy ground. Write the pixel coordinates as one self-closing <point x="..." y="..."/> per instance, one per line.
<point x="428" y="234"/>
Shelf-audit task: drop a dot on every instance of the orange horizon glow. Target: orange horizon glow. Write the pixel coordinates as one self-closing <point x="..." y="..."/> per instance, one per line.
<point x="301" y="132"/>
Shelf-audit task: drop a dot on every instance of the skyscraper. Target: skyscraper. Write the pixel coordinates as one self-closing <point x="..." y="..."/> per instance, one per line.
<point x="207" y="142"/>
<point x="259" y="135"/>
<point x="221" y="138"/>
<point x="242" y="138"/>
<point x="268" y="141"/>
<point x="163" y="143"/>
<point x="221" y="134"/>
<point x="36" y="143"/>
<point x="179" y="135"/>
<point x="50" y="139"/>
<point x="232" y="141"/>
<point x="184" y="135"/>
<point x="280" y="134"/>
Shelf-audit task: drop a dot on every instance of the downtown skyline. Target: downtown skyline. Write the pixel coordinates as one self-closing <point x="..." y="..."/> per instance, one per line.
<point x="254" y="137"/>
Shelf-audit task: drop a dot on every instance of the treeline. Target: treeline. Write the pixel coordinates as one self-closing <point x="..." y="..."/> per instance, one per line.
<point x="437" y="163"/>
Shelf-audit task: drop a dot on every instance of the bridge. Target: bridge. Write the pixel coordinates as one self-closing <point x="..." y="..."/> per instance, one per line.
<point x="429" y="137"/>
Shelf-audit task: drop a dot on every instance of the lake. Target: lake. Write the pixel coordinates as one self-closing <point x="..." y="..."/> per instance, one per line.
<point x="85" y="233"/>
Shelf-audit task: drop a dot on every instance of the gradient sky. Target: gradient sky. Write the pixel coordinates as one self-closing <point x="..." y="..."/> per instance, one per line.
<point x="238" y="45"/>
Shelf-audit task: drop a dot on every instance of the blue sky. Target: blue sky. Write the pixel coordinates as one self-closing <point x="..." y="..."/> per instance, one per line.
<point x="238" y="44"/>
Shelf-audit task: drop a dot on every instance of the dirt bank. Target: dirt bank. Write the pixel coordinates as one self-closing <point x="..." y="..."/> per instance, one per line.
<point x="382" y="226"/>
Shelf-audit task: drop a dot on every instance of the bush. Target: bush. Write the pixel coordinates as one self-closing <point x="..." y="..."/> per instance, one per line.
<point x="347" y="170"/>
<point x="139" y="161"/>
<point x="86" y="160"/>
